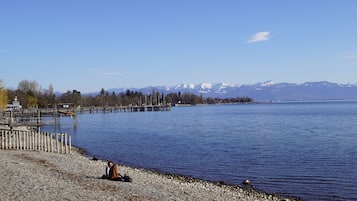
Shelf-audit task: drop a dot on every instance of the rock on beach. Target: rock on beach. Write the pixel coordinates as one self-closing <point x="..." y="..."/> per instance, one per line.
<point x="37" y="175"/>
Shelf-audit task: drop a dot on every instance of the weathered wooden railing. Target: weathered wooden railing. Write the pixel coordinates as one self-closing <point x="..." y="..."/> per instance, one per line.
<point x="32" y="140"/>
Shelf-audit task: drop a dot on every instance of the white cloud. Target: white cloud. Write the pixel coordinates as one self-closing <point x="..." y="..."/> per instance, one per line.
<point x="105" y="74"/>
<point x="351" y="57"/>
<point x="260" y="36"/>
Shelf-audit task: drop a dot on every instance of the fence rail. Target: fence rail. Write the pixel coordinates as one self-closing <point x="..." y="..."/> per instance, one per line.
<point x="31" y="140"/>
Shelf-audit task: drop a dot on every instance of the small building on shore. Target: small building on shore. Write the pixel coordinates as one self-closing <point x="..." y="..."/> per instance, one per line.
<point x="14" y="106"/>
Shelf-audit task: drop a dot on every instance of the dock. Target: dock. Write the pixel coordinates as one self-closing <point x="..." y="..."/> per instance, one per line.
<point x="142" y="108"/>
<point x="32" y="118"/>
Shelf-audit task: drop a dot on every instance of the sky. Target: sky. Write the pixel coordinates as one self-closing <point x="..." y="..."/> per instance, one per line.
<point x="88" y="45"/>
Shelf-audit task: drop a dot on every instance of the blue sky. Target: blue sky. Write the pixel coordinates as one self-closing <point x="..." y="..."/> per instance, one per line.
<point x="88" y="45"/>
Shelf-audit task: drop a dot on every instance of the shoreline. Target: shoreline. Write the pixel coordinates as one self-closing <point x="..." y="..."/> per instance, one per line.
<point x="29" y="175"/>
<point x="249" y="187"/>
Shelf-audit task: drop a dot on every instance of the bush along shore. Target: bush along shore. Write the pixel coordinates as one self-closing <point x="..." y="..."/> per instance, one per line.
<point x="38" y="175"/>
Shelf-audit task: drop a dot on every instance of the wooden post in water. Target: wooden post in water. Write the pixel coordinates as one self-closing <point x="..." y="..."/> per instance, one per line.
<point x="51" y="142"/>
<point x="38" y="136"/>
<point x="56" y="141"/>
<point x="38" y="120"/>
<point x="61" y="143"/>
<point x="40" y="144"/>
<point x="74" y="120"/>
<point x="5" y="140"/>
<point x="46" y="141"/>
<point x="10" y="137"/>
<point x="30" y="140"/>
<point x="18" y="142"/>
<point x="8" y="142"/>
<point x="2" y="139"/>
<point x="24" y="140"/>
<point x="70" y="144"/>
<point x="65" y="143"/>
<point x="32" y="137"/>
<point x="55" y="113"/>
<point x="20" y="138"/>
<point x="48" y="136"/>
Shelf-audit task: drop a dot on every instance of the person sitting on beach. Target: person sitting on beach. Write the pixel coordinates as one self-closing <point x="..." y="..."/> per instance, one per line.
<point x="114" y="173"/>
<point x="107" y="170"/>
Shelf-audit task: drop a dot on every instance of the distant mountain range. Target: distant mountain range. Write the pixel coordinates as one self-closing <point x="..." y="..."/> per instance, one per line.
<point x="265" y="91"/>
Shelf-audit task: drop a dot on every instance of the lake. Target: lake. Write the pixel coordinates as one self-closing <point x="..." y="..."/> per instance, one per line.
<point x="303" y="149"/>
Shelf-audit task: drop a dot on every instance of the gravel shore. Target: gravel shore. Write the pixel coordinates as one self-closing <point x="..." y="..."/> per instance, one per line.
<point x="37" y="175"/>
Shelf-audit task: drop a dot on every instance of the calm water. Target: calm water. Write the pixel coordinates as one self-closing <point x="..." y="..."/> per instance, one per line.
<point x="307" y="149"/>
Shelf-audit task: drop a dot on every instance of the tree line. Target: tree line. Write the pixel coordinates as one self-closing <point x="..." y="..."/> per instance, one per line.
<point x="31" y="95"/>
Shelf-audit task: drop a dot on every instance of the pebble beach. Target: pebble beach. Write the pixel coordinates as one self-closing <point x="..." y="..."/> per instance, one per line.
<point x="38" y="175"/>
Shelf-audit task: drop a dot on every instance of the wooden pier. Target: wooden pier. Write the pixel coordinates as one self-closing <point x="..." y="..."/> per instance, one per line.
<point x="143" y="108"/>
<point x="32" y="118"/>
<point x="97" y="109"/>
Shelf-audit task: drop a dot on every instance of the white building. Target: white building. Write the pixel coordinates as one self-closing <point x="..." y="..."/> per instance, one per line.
<point x="15" y="105"/>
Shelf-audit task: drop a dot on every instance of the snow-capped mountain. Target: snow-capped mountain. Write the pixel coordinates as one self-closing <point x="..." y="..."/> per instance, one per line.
<point x="265" y="91"/>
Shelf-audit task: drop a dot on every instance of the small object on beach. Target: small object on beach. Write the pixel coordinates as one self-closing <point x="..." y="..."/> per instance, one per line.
<point x="95" y="159"/>
<point x="247" y="182"/>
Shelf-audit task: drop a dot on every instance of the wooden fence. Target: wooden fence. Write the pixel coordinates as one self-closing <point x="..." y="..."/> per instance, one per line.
<point x="32" y="140"/>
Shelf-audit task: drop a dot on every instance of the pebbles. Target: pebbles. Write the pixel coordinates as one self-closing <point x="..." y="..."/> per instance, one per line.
<point x="34" y="175"/>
